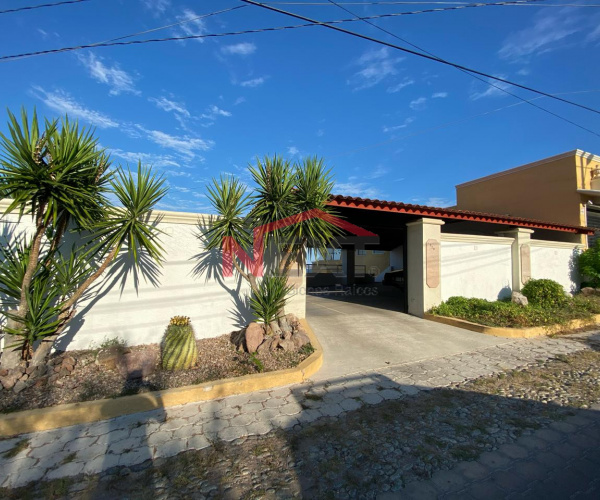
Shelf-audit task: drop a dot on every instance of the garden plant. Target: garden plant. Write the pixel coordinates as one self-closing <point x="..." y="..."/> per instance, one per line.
<point x="56" y="174"/>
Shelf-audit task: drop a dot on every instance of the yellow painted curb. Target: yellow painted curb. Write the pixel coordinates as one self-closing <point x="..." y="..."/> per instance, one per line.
<point x="513" y="333"/>
<point x="92" y="411"/>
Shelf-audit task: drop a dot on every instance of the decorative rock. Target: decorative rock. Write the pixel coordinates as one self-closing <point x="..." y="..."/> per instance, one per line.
<point x="519" y="298"/>
<point x="254" y="336"/>
<point x="287" y="335"/>
<point x="8" y="381"/>
<point x="3" y="373"/>
<point x="587" y="291"/>
<point x="265" y="346"/>
<point x="287" y="345"/>
<point x="137" y="364"/>
<point x="300" y="339"/>
<point x="108" y="357"/>
<point x="19" y="386"/>
<point x="284" y="325"/>
<point x="292" y="320"/>
<point x="274" y="344"/>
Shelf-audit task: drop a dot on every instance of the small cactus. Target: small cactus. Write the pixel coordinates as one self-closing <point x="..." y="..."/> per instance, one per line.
<point x="179" y="346"/>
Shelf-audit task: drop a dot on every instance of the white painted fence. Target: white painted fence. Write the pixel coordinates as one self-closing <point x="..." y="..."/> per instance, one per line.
<point x="557" y="261"/>
<point x="475" y="266"/>
<point x="138" y="311"/>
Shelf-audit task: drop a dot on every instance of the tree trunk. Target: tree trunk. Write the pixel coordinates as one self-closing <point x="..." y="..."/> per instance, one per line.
<point x="43" y="351"/>
<point x="11" y="356"/>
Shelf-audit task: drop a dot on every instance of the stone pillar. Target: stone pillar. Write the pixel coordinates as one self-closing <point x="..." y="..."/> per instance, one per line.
<point x="423" y="276"/>
<point x="521" y="256"/>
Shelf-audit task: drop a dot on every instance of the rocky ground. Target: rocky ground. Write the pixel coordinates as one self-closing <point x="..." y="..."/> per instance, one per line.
<point x="387" y="447"/>
<point x="77" y="376"/>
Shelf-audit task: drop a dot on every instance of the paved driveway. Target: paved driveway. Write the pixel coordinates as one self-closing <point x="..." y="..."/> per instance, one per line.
<point x="359" y="337"/>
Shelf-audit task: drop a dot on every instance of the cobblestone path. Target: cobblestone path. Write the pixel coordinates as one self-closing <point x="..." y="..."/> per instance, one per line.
<point x="133" y="439"/>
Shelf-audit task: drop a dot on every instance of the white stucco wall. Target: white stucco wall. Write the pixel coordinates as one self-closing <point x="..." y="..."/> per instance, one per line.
<point x="475" y="266"/>
<point x="555" y="261"/>
<point x="140" y="314"/>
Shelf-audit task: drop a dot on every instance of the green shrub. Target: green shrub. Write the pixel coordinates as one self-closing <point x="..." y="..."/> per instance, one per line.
<point x="545" y="293"/>
<point x="179" y="350"/>
<point x="268" y="301"/>
<point x="589" y="265"/>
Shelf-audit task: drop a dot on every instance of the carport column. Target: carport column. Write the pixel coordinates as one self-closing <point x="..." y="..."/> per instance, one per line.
<point x="423" y="265"/>
<point x="521" y="256"/>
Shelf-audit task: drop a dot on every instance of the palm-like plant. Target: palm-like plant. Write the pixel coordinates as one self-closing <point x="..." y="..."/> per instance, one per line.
<point x="282" y="190"/>
<point x="269" y="299"/>
<point x="60" y="178"/>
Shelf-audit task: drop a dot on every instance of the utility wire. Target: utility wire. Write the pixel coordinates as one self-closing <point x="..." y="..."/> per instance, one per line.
<point x="419" y="54"/>
<point x="113" y="42"/>
<point x="448" y="124"/>
<point x="466" y="72"/>
<point x="523" y="3"/>
<point x="42" y="6"/>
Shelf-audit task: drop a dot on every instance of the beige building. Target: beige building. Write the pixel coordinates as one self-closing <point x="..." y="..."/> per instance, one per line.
<point x="559" y="189"/>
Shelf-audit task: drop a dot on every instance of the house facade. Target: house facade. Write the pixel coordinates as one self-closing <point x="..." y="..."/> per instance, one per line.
<point x="559" y="189"/>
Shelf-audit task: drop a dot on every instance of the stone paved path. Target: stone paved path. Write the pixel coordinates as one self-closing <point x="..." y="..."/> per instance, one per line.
<point x="133" y="439"/>
<point x="558" y="462"/>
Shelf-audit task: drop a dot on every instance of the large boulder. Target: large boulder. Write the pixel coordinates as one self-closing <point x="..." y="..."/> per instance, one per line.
<point x="300" y="339"/>
<point x="284" y="325"/>
<point x="519" y="298"/>
<point x="587" y="291"/>
<point x="254" y="336"/>
<point x="137" y="364"/>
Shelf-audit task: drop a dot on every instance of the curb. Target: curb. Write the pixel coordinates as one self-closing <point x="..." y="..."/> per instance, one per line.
<point x="513" y="333"/>
<point x="55" y="417"/>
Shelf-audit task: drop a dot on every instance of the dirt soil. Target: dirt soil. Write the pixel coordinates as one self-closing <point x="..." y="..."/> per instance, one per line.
<point x="217" y="359"/>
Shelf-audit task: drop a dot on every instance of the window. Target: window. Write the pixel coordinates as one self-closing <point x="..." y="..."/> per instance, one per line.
<point x="378" y="252"/>
<point x="361" y="252"/>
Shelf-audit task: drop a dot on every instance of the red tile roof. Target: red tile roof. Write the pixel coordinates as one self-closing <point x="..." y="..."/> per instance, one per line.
<point x="451" y="213"/>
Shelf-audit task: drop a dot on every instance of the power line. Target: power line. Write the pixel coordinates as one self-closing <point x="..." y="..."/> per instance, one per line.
<point x="42" y="6"/>
<point x="419" y="54"/>
<point x="513" y="4"/>
<point x="109" y="43"/>
<point x="448" y="124"/>
<point x="467" y="73"/>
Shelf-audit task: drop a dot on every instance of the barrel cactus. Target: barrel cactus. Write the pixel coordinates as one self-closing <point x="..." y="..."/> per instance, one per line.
<point x="179" y="346"/>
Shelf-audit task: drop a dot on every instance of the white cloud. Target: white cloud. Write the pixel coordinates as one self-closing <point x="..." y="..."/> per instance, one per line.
<point x="548" y="31"/>
<point x="375" y="66"/>
<point x="240" y="49"/>
<point x="117" y="79"/>
<point x="320" y="132"/>
<point x="293" y="150"/>
<point x="399" y="86"/>
<point x="170" y="106"/>
<point x="360" y="189"/>
<point x="239" y="100"/>
<point x="156" y="160"/>
<point x="491" y="91"/>
<point x="213" y="112"/>
<point x="157" y="6"/>
<point x="438" y="202"/>
<point x="185" y="145"/>
<point x="524" y="71"/>
<point x="393" y="128"/>
<point x="63" y="103"/>
<point x="418" y="104"/>
<point x="439" y="95"/>
<point x="594" y="35"/>
<point x="193" y="26"/>
<point x="254" y="82"/>
<point x="380" y="171"/>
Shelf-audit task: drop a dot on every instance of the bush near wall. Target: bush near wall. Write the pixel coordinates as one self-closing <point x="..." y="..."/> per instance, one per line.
<point x="507" y="314"/>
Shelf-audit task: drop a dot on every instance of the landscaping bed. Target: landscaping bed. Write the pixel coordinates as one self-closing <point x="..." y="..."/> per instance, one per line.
<point x="86" y="375"/>
<point x="505" y="314"/>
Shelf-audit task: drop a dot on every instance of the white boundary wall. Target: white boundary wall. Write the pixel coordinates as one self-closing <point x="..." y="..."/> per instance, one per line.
<point x="141" y="316"/>
<point x="475" y="266"/>
<point x="556" y="261"/>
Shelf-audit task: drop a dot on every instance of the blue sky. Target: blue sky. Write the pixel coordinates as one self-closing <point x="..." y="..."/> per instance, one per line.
<point x="391" y="125"/>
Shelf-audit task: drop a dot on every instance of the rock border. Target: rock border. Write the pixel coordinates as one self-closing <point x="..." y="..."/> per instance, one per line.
<point x="55" y="417"/>
<point x="513" y="333"/>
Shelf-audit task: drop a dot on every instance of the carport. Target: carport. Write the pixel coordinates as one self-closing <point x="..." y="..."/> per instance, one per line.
<point x="415" y="233"/>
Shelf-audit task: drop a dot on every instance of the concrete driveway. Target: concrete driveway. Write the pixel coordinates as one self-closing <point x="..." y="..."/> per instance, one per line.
<point x="366" y="334"/>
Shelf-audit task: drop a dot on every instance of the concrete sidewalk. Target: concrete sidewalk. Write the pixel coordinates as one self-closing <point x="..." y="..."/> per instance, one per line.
<point x="357" y="337"/>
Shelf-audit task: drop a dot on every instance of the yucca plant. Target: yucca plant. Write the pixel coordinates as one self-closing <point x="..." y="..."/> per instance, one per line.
<point x="56" y="174"/>
<point x="268" y="301"/>
<point x="179" y="350"/>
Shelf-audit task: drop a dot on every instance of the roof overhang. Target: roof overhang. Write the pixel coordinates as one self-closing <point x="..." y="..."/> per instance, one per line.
<point x="451" y="214"/>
